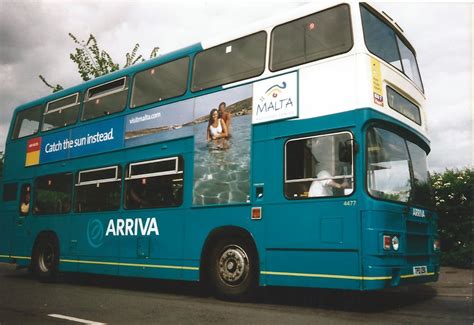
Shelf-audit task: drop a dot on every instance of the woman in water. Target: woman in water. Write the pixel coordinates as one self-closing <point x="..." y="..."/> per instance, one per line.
<point x="216" y="129"/>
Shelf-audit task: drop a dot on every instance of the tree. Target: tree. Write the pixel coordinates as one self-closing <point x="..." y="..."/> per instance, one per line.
<point x="453" y="194"/>
<point x="92" y="62"/>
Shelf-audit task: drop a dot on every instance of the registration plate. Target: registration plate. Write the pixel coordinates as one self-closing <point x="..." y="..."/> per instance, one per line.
<point x="420" y="270"/>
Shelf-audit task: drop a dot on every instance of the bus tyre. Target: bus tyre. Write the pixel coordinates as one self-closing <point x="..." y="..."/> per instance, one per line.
<point x="233" y="270"/>
<point x="46" y="258"/>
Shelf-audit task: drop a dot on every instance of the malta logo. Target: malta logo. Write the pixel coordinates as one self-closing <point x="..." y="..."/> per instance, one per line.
<point x="275" y="98"/>
<point x="275" y="90"/>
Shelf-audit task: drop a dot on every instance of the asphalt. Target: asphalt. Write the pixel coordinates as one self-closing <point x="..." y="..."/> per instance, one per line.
<point x="454" y="282"/>
<point x="112" y="300"/>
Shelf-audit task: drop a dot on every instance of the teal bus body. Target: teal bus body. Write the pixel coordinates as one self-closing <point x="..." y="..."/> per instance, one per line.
<point x="327" y="242"/>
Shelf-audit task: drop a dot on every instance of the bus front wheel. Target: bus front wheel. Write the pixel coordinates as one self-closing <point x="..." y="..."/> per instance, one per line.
<point x="234" y="269"/>
<point x="46" y="258"/>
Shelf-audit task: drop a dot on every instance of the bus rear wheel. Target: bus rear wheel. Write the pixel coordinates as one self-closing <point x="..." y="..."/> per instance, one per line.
<point x="233" y="269"/>
<point x="46" y="258"/>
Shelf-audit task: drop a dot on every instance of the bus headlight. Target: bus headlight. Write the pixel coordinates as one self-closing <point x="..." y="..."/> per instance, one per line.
<point x="436" y="245"/>
<point x="395" y="243"/>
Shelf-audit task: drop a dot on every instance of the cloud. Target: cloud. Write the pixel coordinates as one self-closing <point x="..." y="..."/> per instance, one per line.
<point x="34" y="40"/>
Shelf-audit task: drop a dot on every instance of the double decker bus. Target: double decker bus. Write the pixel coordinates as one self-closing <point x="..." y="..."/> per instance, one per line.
<point x="292" y="153"/>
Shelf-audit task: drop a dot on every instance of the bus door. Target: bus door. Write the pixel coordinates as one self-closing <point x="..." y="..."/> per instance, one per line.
<point x="96" y="207"/>
<point x="151" y="228"/>
<point x="312" y="225"/>
<point x="21" y="241"/>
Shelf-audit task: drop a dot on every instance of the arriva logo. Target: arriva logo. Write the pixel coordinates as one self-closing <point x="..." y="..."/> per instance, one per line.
<point x="95" y="233"/>
<point x="418" y="213"/>
<point x="132" y="227"/>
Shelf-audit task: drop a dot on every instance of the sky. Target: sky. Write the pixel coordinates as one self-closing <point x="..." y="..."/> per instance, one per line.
<point x="34" y="40"/>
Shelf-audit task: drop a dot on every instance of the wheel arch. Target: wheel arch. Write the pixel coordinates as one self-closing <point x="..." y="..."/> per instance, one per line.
<point x="45" y="234"/>
<point x="214" y="236"/>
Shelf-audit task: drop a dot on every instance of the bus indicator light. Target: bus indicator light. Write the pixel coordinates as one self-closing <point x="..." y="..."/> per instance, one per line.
<point x="256" y="213"/>
<point x="311" y="26"/>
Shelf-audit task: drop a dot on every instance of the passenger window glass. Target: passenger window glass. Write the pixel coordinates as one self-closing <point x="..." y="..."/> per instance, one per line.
<point x="27" y="122"/>
<point x="154" y="184"/>
<point x="319" y="166"/>
<point x="25" y="198"/>
<point x="160" y="83"/>
<point x="52" y="194"/>
<point x="9" y="192"/>
<point x="321" y="35"/>
<point x="105" y="99"/>
<point x="98" y="189"/>
<point x="233" y="61"/>
<point x="61" y="112"/>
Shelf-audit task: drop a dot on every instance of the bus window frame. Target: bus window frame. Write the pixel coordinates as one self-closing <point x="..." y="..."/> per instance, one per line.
<point x="234" y="81"/>
<point x="87" y="98"/>
<point x="28" y="191"/>
<point x="127" y="177"/>
<point x="175" y="171"/>
<point x="34" y="198"/>
<point x="407" y="136"/>
<point x="326" y="57"/>
<point x="106" y="93"/>
<point x="100" y="181"/>
<point x="40" y="122"/>
<point x="188" y="79"/>
<point x="353" y="166"/>
<point x="78" y="183"/>
<point x="404" y="97"/>
<point x="46" y="111"/>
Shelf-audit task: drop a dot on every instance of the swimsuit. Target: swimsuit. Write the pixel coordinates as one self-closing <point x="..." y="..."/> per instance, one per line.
<point x="216" y="130"/>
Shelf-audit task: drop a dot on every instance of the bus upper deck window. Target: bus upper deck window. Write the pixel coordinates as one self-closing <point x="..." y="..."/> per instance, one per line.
<point x="27" y="122"/>
<point x="160" y="82"/>
<point x="314" y="37"/>
<point x="61" y="112"/>
<point x="229" y="62"/>
<point x="105" y="99"/>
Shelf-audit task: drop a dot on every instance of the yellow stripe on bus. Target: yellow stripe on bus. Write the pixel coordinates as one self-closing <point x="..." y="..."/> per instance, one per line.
<point x="174" y="267"/>
<point x="347" y="277"/>
<point x="193" y="268"/>
<point x="327" y="276"/>
<point x="406" y="276"/>
<point x="21" y="257"/>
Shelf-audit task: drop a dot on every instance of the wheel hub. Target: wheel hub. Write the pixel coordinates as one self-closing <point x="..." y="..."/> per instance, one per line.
<point x="46" y="258"/>
<point x="233" y="265"/>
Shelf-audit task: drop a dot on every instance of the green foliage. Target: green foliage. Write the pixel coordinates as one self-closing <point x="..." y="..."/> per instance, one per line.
<point x="56" y="88"/>
<point x="453" y="191"/>
<point x="92" y="62"/>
